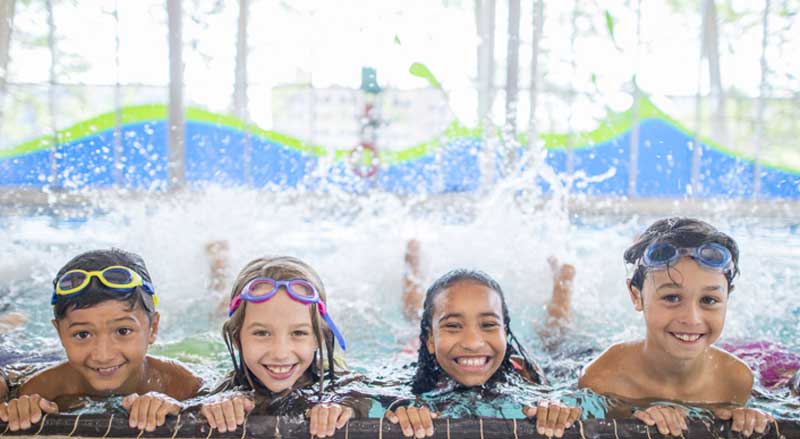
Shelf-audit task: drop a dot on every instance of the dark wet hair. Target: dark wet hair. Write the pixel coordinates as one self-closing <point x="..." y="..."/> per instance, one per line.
<point x="279" y="268"/>
<point x="97" y="292"/>
<point x="680" y="232"/>
<point x="428" y="370"/>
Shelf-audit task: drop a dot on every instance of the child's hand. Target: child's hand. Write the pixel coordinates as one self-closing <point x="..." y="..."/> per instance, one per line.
<point x="150" y="410"/>
<point x="552" y="418"/>
<point x="745" y="420"/>
<point x="669" y="419"/>
<point x="325" y="418"/>
<point x="22" y="412"/>
<point x="227" y="413"/>
<point x="415" y="422"/>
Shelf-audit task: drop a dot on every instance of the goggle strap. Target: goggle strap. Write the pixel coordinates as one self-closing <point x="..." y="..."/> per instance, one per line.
<point x="334" y="329"/>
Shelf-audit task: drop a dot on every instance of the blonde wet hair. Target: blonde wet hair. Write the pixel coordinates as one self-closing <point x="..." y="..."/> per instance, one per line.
<point x="280" y="268"/>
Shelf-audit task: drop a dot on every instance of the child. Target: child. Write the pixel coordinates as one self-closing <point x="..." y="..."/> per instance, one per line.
<point x="558" y="308"/>
<point x="684" y="271"/>
<point x="466" y="341"/>
<point x="105" y="314"/>
<point x="281" y="340"/>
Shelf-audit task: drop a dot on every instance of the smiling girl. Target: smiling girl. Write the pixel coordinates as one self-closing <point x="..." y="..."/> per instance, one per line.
<point x="466" y="344"/>
<point x="281" y="340"/>
<point x="683" y="277"/>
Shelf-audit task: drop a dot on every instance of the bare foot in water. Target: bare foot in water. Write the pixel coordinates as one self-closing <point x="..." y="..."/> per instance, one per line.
<point x="412" y="281"/>
<point x="217" y="253"/>
<point x="559" y="310"/>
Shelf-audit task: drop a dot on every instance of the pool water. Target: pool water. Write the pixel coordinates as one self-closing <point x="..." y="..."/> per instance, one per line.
<point x="356" y="243"/>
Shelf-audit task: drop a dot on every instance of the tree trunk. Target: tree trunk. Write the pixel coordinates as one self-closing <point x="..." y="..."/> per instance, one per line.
<point x="762" y="96"/>
<point x="6" y="30"/>
<point x="175" y="129"/>
<point x="512" y="67"/>
<point x="484" y="20"/>
<point x="711" y="51"/>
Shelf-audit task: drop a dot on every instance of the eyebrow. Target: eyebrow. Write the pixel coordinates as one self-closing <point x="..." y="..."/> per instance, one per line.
<point x="669" y="285"/>
<point x="126" y="318"/>
<point x="461" y="315"/>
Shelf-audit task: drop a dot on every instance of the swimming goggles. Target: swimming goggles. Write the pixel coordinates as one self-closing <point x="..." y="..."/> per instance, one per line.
<point x="116" y="277"/>
<point x="663" y="254"/>
<point x="262" y="289"/>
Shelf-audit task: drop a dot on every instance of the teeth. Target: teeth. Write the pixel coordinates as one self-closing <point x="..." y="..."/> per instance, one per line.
<point x="687" y="337"/>
<point x="472" y="361"/>
<point x="106" y="369"/>
<point x="280" y="369"/>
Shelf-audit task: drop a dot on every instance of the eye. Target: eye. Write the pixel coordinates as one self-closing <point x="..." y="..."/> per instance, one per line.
<point x="489" y="325"/>
<point x="260" y="333"/>
<point x="299" y="333"/>
<point x="709" y="300"/>
<point x="451" y="326"/>
<point x="82" y="335"/>
<point x="671" y="298"/>
<point x="124" y="331"/>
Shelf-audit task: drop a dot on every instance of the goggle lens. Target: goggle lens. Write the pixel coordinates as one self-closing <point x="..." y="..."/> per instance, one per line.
<point x="261" y="287"/>
<point x="661" y="253"/>
<point x="302" y="289"/>
<point x="71" y="280"/>
<point x="117" y="276"/>
<point x="712" y="255"/>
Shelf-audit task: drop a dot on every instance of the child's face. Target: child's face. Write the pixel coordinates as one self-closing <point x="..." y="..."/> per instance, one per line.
<point x="684" y="308"/>
<point x="278" y="342"/>
<point x="107" y="343"/>
<point x="468" y="338"/>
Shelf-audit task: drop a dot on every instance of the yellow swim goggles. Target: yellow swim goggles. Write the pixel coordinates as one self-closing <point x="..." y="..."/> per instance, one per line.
<point x="116" y="277"/>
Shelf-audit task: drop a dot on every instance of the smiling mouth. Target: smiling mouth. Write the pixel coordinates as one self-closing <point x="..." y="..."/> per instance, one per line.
<point x="688" y="338"/>
<point x="107" y="371"/>
<point x="280" y="371"/>
<point x="472" y="364"/>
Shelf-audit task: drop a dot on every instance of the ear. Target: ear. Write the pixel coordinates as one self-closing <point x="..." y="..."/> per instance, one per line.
<point x="636" y="296"/>
<point x="153" y="328"/>
<point x="55" y="325"/>
<point x="429" y="344"/>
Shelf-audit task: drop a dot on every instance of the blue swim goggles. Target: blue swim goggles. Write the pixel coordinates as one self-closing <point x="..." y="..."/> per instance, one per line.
<point x="262" y="289"/>
<point x="660" y="255"/>
<point x="117" y="278"/>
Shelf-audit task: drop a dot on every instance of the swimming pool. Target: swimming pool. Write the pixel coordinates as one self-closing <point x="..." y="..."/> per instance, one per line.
<point x="356" y="243"/>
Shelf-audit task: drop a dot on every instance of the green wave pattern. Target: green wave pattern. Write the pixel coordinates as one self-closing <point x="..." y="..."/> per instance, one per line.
<point x="615" y="125"/>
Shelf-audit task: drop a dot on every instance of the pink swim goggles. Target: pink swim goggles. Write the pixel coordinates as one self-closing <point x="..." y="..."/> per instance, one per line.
<point x="262" y="289"/>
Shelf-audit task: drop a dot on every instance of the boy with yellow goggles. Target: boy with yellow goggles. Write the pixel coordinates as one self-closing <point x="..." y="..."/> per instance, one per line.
<point x="116" y="277"/>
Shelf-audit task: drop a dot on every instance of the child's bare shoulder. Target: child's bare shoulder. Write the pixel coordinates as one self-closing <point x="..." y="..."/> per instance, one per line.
<point x="173" y="378"/>
<point x="734" y="375"/>
<point x="607" y="373"/>
<point x="52" y="382"/>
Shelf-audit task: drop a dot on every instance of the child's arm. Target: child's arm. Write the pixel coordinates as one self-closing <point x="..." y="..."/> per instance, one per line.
<point x="412" y="282"/>
<point x="740" y="382"/>
<point x="324" y="419"/>
<point x="668" y="419"/>
<point x="3" y="386"/>
<point x="20" y="413"/>
<point x="175" y="380"/>
<point x="169" y="382"/>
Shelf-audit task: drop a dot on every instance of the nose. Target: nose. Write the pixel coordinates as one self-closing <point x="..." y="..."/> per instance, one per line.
<point x="103" y="351"/>
<point x="281" y="349"/>
<point x="472" y="339"/>
<point x="691" y="315"/>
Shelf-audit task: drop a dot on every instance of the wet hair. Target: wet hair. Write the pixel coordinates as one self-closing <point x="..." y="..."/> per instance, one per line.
<point x="682" y="233"/>
<point x="96" y="292"/>
<point x="428" y="370"/>
<point x="278" y="268"/>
